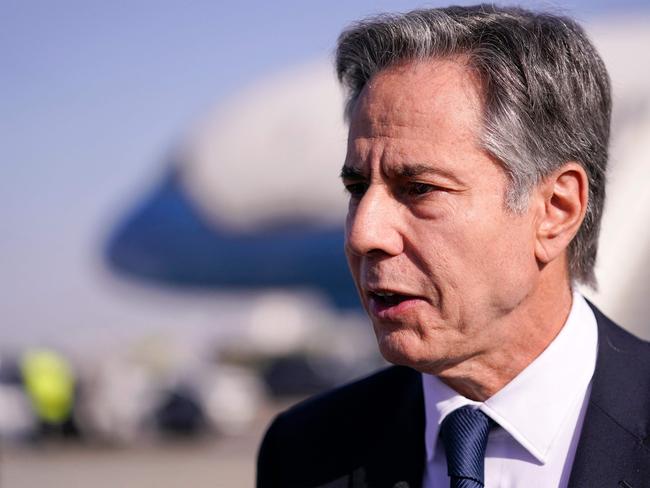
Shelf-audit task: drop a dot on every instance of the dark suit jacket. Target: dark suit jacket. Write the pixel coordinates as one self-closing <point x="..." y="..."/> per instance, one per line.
<point x="371" y="433"/>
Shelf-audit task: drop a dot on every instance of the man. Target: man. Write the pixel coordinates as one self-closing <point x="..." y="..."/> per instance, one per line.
<point x="475" y="168"/>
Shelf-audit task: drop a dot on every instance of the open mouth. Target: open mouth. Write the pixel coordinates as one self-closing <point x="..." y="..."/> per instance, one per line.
<point x="388" y="299"/>
<point x="388" y="305"/>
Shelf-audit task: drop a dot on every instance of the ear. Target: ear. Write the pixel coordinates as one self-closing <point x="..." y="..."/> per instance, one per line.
<point x="565" y="195"/>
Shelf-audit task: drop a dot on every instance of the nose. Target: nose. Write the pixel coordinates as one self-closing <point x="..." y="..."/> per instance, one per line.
<point x="372" y="225"/>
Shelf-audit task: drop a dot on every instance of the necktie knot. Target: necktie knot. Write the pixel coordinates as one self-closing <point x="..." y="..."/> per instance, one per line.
<point x="464" y="433"/>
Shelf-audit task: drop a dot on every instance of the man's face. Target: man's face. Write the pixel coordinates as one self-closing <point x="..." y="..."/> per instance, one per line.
<point x="437" y="258"/>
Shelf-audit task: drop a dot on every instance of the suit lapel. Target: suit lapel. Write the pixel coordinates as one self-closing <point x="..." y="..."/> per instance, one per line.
<point x="398" y="460"/>
<point x="614" y="447"/>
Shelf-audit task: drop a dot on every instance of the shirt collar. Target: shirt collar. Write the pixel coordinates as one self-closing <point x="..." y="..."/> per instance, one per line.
<point x="533" y="407"/>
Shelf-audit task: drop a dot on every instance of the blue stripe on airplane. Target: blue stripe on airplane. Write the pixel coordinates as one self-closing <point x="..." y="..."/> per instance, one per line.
<point x="165" y="240"/>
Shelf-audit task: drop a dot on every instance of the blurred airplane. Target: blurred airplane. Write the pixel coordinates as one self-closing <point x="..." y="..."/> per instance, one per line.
<point x="253" y="199"/>
<point x="166" y="239"/>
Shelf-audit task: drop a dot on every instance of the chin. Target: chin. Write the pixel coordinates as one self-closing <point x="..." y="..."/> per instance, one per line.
<point x="406" y="348"/>
<point x="403" y="348"/>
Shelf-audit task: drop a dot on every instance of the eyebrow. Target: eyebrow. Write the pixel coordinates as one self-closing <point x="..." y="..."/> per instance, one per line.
<point x="418" y="169"/>
<point x="402" y="171"/>
<point x="350" y="173"/>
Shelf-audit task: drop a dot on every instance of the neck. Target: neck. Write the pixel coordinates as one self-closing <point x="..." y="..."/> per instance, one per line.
<point x="525" y="333"/>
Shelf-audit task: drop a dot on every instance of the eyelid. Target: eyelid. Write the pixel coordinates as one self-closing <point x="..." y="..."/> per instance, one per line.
<point x="415" y="190"/>
<point x="411" y="184"/>
<point x="355" y="187"/>
<point x="416" y="187"/>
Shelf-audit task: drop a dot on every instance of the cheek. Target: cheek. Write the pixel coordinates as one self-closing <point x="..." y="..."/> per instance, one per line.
<point x="475" y="251"/>
<point x="346" y="236"/>
<point x="504" y="260"/>
<point x="353" y="263"/>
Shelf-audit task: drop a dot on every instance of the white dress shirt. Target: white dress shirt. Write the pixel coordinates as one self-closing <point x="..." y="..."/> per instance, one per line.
<point x="539" y="413"/>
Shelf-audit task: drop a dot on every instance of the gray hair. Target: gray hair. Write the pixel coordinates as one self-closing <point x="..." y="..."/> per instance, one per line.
<point x="546" y="91"/>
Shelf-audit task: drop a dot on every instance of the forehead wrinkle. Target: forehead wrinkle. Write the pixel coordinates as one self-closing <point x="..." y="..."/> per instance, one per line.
<point x="393" y="159"/>
<point x="412" y="116"/>
<point x="422" y="86"/>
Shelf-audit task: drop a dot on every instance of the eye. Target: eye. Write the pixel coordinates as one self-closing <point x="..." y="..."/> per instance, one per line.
<point x="356" y="190"/>
<point x="416" y="189"/>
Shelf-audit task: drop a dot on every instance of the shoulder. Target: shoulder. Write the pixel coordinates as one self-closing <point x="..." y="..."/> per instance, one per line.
<point x="341" y="426"/>
<point x="621" y="381"/>
<point x="616" y="343"/>
<point x="354" y="407"/>
<point x="614" y="437"/>
<point x="385" y="384"/>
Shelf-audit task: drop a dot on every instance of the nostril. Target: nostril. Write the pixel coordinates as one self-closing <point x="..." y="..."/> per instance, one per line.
<point x="376" y="253"/>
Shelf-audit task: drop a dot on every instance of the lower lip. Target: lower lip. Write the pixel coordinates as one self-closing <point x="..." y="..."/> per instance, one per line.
<point x="391" y="312"/>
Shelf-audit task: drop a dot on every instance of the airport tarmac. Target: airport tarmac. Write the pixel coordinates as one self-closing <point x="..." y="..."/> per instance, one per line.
<point x="215" y="462"/>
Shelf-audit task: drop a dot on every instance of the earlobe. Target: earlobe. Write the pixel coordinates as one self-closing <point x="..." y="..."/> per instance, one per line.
<point x="565" y="196"/>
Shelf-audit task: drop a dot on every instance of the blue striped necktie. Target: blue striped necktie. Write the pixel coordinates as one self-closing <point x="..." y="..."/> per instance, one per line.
<point x="464" y="433"/>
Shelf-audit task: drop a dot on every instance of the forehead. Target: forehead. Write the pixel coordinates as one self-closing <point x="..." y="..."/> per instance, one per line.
<point x="436" y="100"/>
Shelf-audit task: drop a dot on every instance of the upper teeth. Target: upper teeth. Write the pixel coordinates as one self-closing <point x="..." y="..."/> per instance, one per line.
<point x="384" y="293"/>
